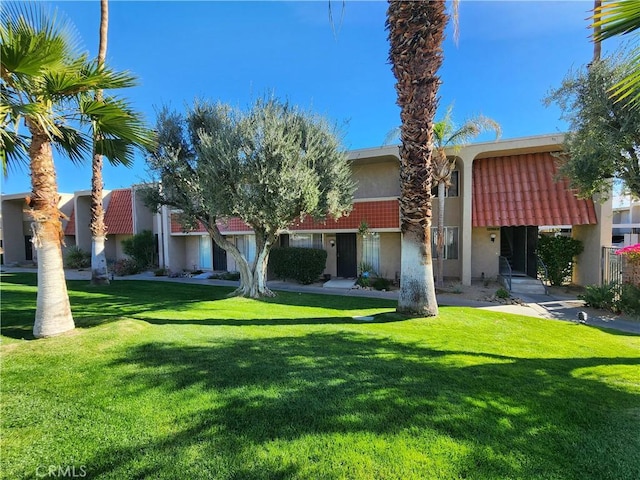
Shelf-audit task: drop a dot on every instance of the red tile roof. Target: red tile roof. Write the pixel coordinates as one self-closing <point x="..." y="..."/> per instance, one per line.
<point x="377" y="214"/>
<point x="521" y="190"/>
<point x="119" y="215"/>
<point x="70" y="227"/>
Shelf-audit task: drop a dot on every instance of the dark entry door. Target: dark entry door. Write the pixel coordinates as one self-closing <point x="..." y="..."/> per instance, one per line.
<point x="219" y="258"/>
<point x="28" y="248"/>
<point x="346" y="254"/>
<point x="518" y="245"/>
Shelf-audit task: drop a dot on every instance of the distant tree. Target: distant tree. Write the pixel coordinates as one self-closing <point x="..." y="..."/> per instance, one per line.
<point x="266" y="166"/>
<point x="616" y="18"/>
<point x="604" y="135"/>
<point x="447" y="135"/>
<point x="49" y="87"/>
<point x="141" y="247"/>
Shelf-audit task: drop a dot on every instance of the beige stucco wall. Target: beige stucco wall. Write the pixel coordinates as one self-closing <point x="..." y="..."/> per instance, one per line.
<point x="588" y="268"/>
<point x="332" y="260"/>
<point x="144" y="218"/>
<point x="83" y="220"/>
<point x="175" y="261"/>
<point x="485" y="253"/>
<point x="13" y="230"/>
<point x="377" y="179"/>
<point x="389" y="255"/>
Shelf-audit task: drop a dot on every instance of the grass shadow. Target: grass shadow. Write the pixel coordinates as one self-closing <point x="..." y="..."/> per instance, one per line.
<point x="504" y="417"/>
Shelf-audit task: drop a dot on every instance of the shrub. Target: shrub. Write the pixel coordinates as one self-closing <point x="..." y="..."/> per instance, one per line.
<point x="160" y="272"/>
<point x="126" y="266"/>
<point x="600" y="296"/>
<point x="557" y="253"/>
<point x="141" y="248"/>
<point x="382" y="283"/>
<point x="629" y="301"/>
<point x="230" y="276"/>
<point x="304" y="265"/>
<point x="502" y="293"/>
<point x="75" y="257"/>
<point x="363" y="279"/>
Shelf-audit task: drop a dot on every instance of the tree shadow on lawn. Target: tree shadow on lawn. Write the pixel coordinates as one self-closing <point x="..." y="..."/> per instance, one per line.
<point x="511" y="417"/>
<point x="96" y="305"/>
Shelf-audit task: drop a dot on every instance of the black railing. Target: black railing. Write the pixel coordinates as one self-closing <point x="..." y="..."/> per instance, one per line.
<point x="543" y="274"/>
<point x="505" y="270"/>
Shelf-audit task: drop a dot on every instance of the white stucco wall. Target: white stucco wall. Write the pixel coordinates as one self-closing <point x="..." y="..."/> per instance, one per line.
<point x="485" y="253"/>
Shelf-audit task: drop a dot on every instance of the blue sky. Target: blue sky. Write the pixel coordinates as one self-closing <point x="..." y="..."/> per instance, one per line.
<point x="509" y="54"/>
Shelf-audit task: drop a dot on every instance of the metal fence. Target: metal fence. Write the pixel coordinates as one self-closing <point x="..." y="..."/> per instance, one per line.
<point x="612" y="266"/>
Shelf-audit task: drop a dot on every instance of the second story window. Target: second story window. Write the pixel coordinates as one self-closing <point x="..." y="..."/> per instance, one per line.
<point x="452" y="190"/>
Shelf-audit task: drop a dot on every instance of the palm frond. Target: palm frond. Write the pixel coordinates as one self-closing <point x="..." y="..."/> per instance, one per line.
<point x="472" y="128"/>
<point x="13" y="150"/>
<point x="119" y="130"/>
<point x="72" y="143"/>
<point x="616" y="18"/>
<point x="34" y="39"/>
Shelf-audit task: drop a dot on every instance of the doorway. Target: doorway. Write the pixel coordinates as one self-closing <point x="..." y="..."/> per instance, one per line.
<point x="518" y="245"/>
<point x="347" y="265"/>
<point x="219" y="258"/>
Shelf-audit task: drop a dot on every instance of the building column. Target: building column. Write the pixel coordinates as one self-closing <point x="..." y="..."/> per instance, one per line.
<point x="466" y="226"/>
<point x="588" y="267"/>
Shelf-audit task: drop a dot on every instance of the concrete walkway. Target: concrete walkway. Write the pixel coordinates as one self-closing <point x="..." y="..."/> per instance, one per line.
<point x="563" y="308"/>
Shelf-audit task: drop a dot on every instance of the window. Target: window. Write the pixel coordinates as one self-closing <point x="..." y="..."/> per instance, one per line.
<point x="305" y="240"/>
<point x="206" y="258"/>
<point x="452" y="190"/>
<point x="450" y="242"/>
<point x="247" y="246"/>
<point x="371" y="251"/>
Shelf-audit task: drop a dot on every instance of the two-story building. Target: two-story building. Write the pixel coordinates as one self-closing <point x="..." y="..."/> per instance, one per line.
<point x="500" y="193"/>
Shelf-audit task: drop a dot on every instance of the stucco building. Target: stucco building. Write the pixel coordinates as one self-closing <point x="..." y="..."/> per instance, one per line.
<point x="501" y="192"/>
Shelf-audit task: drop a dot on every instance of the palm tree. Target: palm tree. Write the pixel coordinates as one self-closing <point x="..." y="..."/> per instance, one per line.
<point x="416" y="33"/>
<point x="49" y="86"/>
<point x="447" y="135"/>
<point x="614" y="18"/>
<point x="99" y="273"/>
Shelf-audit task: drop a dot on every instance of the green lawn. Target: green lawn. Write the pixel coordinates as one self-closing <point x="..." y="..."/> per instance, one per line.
<point x="175" y="381"/>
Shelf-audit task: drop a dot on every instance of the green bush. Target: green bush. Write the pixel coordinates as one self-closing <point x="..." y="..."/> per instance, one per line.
<point x="629" y="301"/>
<point x="600" y="296"/>
<point x="558" y="253"/>
<point x="502" y="293"/>
<point x="141" y="248"/>
<point x="126" y="266"/>
<point x="75" y="257"/>
<point x="382" y="283"/>
<point x="304" y="265"/>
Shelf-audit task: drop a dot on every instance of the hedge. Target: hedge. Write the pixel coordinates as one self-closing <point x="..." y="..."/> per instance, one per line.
<point x="304" y="265"/>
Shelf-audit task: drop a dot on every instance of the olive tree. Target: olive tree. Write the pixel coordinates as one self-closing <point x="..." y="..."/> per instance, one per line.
<point x="267" y="166"/>
<point x="604" y="135"/>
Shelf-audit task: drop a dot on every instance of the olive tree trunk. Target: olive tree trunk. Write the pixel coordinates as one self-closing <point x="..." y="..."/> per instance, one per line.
<point x="253" y="276"/>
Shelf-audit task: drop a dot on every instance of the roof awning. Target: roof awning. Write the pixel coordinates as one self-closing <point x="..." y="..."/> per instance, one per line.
<point x="522" y="190"/>
<point x="119" y="215"/>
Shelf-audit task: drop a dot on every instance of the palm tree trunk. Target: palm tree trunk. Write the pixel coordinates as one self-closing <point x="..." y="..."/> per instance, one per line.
<point x="53" y="311"/>
<point x="416" y="32"/>
<point x="99" y="273"/>
<point x="597" y="46"/>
